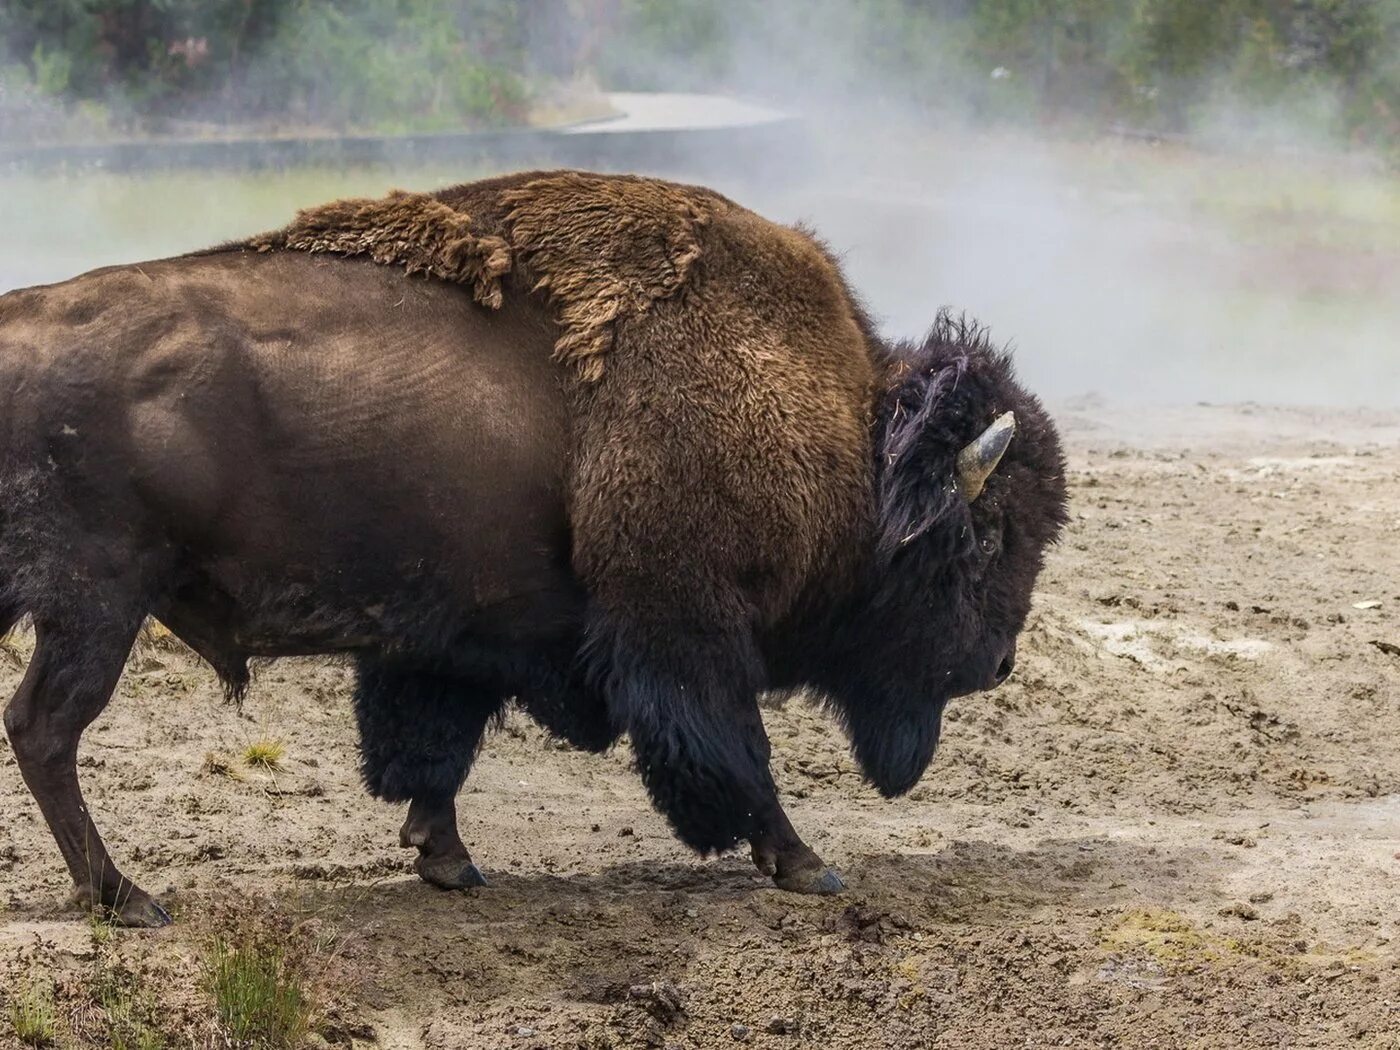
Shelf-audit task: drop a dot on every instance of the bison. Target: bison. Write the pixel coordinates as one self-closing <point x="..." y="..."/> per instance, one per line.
<point x="629" y="457"/>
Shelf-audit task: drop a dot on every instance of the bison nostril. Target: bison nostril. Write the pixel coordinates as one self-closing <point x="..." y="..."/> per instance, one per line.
<point x="1004" y="671"/>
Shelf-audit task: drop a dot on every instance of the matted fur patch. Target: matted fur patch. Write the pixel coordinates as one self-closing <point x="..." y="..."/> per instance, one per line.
<point x="602" y="248"/>
<point x="412" y="230"/>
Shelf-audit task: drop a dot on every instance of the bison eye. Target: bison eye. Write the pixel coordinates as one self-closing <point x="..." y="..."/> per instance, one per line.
<point x="988" y="545"/>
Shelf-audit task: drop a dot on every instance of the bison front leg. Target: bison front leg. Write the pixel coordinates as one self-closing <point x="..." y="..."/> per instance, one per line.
<point x="419" y="733"/>
<point x="779" y="852"/>
<point x="688" y="696"/>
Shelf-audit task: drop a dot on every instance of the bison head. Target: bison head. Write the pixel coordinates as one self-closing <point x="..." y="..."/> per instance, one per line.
<point x="969" y="491"/>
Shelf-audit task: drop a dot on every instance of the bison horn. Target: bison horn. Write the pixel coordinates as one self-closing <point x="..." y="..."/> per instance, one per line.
<point x="979" y="459"/>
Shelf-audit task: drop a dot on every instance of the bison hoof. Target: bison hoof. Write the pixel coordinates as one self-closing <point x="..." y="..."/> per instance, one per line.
<point x="449" y="872"/>
<point x="146" y="914"/>
<point x="822" y="881"/>
<point x="131" y="907"/>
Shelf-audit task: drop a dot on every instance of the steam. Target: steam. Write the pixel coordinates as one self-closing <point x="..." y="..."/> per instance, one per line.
<point x="1262" y="267"/>
<point x="1260" y="261"/>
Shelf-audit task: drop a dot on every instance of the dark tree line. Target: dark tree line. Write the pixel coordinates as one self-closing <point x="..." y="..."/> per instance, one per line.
<point x="454" y="63"/>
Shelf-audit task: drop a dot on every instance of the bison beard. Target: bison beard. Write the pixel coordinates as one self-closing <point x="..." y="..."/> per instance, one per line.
<point x="726" y="484"/>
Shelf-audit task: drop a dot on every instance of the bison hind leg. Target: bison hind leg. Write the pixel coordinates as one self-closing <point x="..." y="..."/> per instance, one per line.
<point x="571" y="708"/>
<point x="78" y="657"/>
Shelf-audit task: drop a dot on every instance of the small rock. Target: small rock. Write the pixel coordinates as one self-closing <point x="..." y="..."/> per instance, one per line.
<point x="662" y="999"/>
<point x="781" y="1026"/>
<point x="522" y="1031"/>
<point x="740" y="1033"/>
<point x="691" y="913"/>
<point x="1262" y="897"/>
<point x="1241" y="840"/>
<point x="623" y="833"/>
<point x="1240" y="911"/>
<point x="1369" y="604"/>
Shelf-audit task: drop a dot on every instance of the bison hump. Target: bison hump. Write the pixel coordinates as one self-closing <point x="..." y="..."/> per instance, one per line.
<point x="602" y="248"/>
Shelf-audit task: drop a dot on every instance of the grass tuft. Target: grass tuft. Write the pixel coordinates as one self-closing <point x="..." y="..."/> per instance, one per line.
<point x="217" y="764"/>
<point x="34" y="1017"/>
<point x="103" y="930"/>
<point x="264" y="754"/>
<point x="258" y="993"/>
<point x="127" y="1027"/>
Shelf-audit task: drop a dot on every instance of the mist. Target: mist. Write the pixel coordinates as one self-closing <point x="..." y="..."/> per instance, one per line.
<point x="1255" y="259"/>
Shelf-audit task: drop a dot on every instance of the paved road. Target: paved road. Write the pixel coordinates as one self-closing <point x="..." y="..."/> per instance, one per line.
<point x="674" y="111"/>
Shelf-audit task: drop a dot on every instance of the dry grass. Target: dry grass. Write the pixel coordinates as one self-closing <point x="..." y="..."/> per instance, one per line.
<point x="217" y="764"/>
<point x="127" y="1016"/>
<point x="255" y="977"/>
<point x="265" y="754"/>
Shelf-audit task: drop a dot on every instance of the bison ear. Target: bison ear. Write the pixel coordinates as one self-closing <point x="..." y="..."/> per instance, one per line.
<point x="977" y="461"/>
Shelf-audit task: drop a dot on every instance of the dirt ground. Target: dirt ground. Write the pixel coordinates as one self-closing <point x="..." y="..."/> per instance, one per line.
<point x="1177" y="825"/>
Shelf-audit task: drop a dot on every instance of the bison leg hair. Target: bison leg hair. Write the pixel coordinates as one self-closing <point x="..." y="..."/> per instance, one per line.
<point x="419" y="733"/>
<point x="70" y="678"/>
<point x="688" y="697"/>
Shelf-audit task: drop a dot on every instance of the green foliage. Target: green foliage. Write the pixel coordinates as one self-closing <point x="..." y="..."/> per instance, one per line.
<point x="446" y="64"/>
<point x="34" y="1017"/>
<point x="264" y="754"/>
<point x="53" y="70"/>
<point x="1162" y="63"/>
<point x="404" y="65"/>
<point x="258" y="994"/>
<point x="410" y="64"/>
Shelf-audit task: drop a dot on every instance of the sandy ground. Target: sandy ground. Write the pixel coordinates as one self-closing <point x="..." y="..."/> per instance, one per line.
<point x="1179" y="823"/>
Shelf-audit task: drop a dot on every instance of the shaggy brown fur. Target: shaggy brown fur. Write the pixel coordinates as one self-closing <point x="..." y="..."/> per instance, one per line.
<point x="721" y="428"/>
<point x="409" y="229"/>
<point x="603" y="248"/>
